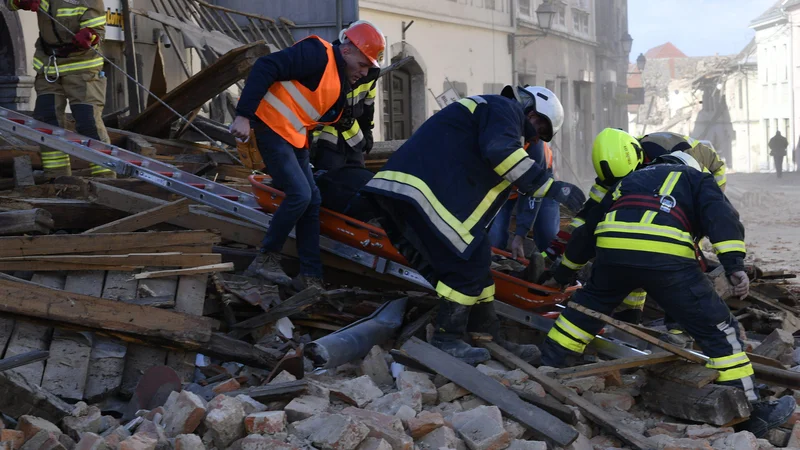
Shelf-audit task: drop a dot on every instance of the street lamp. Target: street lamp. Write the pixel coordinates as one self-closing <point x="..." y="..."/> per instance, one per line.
<point x="640" y="62"/>
<point x="544" y="15"/>
<point x="627" y="43"/>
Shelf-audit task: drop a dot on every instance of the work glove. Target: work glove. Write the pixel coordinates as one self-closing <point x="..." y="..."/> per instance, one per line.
<point x="558" y="245"/>
<point x="28" y="5"/>
<point x="567" y="194"/>
<point x="368" y="142"/>
<point x="741" y="284"/>
<point x="85" y="38"/>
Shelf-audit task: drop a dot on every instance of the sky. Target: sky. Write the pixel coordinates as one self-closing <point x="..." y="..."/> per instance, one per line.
<point x="696" y="27"/>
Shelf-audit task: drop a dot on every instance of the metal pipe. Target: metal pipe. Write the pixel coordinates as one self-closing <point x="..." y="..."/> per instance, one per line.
<point x="355" y="340"/>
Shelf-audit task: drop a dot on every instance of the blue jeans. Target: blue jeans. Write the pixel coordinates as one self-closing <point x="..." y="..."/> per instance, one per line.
<point x="546" y="223"/>
<point x="291" y="172"/>
<point x="498" y="230"/>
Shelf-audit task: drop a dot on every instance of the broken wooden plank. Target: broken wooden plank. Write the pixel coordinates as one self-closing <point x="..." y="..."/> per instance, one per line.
<point x="29" y="299"/>
<point x="129" y="261"/>
<point x="614" y="364"/>
<point x="192" y="93"/>
<point x="189" y="299"/>
<point x="778" y="345"/>
<point x="687" y="374"/>
<point x="272" y="392"/>
<point x="146" y="218"/>
<point x="222" y="267"/>
<point x="28" y="221"/>
<point x="551" y="405"/>
<point x="230" y="349"/>
<point x="540" y="422"/>
<point x="763" y="299"/>
<point x="68" y="214"/>
<point x="161" y="301"/>
<point x="713" y="404"/>
<point x="292" y="305"/>
<point x="565" y="395"/>
<point x="23" y="171"/>
<point x="84" y="243"/>
<point x="23" y="359"/>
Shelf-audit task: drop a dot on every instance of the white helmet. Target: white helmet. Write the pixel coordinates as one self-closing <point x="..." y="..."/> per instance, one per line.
<point x="542" y="101"/>
<point x="680" y="158"/>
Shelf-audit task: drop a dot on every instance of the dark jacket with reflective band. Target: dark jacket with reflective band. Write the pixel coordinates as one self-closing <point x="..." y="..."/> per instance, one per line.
<point x="355" y="124"/>
<point x="526" y="205"/>
<point x="648" y="238"/>
<point x="74" y="16"/>
<point x="458" y="167"/>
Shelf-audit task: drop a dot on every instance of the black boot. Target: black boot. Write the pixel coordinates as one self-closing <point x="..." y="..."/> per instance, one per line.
<point x="768" y="415"/>
<point x="554" y="355"/>
<point x="483" y="319"/>
<point x="633" y="316"/>
<point x="451" y="324"/>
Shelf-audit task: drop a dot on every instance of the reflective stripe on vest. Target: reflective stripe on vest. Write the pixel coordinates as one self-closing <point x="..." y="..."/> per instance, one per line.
<point x="289" y="108"/>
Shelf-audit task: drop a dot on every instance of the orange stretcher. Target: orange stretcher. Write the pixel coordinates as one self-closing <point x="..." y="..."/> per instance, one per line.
<point x="374" y="240"/>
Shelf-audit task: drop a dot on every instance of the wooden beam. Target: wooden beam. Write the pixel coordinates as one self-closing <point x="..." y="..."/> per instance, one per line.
<point x="222" y="267"/>
<point x="28" y="221"/>
<point x="145" y="219"/>
<point x="70" y="262"/>
<point x="272" y="392"/>
<point x="771" y="302"/>
<point x="292" y="305"/>
<point x="551" y="405"/>
<point x="713" y="404"/>
<point x="70" y="214"/>
<point x="687" y="374"/>
<point x="23" y="171"/>
<point x="192" y="93"/>
<point x="614" y="364"/>
<point x="540" y="422"/>
<point x="230" y="349"/>
<point x="29" y="299"/>
<point x="565" y="395"/>
<point x="84" y="243"/>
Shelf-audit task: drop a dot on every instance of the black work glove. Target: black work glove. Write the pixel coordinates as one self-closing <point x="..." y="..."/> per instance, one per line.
<point x="567" y="194"/>
<point x="368" y="142"/>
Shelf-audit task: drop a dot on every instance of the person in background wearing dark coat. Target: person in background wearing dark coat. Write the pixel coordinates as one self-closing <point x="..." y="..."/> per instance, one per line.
<point x="777" y="148"/>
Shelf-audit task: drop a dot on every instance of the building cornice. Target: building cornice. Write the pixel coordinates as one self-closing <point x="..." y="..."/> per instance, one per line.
<point x="384" y="8"/>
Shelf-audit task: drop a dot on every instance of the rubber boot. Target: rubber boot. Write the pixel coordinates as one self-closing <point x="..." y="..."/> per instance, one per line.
<point x="483" y="319"/>
<point x="451" y="322"/>
<point x="268" y="266"/>
<point x="768" y="415"/>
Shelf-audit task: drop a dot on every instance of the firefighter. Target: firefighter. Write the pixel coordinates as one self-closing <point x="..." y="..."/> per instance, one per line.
<point x="286" y="95"/>
<point x="656" y="144"/>
<point x="438" y="192"/>
<point x="642" y="236"/>
<point x="69" y="70"/>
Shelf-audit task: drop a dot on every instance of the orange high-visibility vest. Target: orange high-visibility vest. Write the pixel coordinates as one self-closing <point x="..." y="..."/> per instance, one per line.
<point x="290" y="109"/>
<point x="548" y="155"/>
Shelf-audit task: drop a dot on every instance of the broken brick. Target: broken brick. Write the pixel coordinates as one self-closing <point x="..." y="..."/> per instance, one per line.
<point x="494" y="373"/>
<point x="184" y="414"/>
<point x="424" y="423"/>
<point x="92" y="441"/>
<point x="405" y="413"/>
<point x="358" y="391"/>
<point x="515" y="429"/>
<point x="306" y="406"/>
<point x="527" y="445"/>
<point x="662" y="442"/>
<point x="226" y="386"/>
<point x="15" y="437"/>
<point x="31" y="426"/>
<point x="604" y="442"/>
<point x="189" y="442"/>
<point x="705" y="431"/>
<point x="390" y="403"/>
<point x="225" y="420"/>
<point x="268" y="422"/>
<point x="374" y="366"/>
<point x="533" y="388"/>
<point x="283" y="377"/>
<point x="482" y="428"/>
<point x="421" y="382"/>
<point x="331" y="431"/>
<point x="450" y="392"/>
<point x="258" y="442"/>
<point x="139" y="442"/>
<point x="382" y="426"/>
<point x="586" y="384"/>
<point x="744" y="440"/>
<point x="250" y="405"/>
<point x="374" y="444"/>
<point x="43" y="440"/>
<point x="443" y="437"/>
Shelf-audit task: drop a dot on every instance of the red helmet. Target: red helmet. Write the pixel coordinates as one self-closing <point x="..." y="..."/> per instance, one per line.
<point x="367" y="38"/>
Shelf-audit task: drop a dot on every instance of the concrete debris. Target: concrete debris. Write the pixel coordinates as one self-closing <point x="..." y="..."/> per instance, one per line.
<point x="302" y="408"/>
<point x="332" y="431"/>
<point x="391" y="403"/>
<point x="358" y="391"/>
<point x="225" y="420"/>
<point x="422" y="382"/>
<point x="450" y="392"/>
<point x="424" y="423"/>
<point x="374" y="366"/>
<point x="482" y="428"/>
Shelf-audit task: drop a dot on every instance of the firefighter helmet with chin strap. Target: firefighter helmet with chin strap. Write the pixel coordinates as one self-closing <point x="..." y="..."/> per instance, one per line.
<point x="615" y="154"/>
<point x="679" y="157"/>
<point x="541" y="101"/>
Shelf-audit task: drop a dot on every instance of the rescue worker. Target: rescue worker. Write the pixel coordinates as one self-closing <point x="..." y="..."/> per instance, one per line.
<point x="641" y="236"/>
<point x="656" y="144"/>
<point x="438" y="192"/>
<point x="286" y="95"/>
<point x="68" y="70"/>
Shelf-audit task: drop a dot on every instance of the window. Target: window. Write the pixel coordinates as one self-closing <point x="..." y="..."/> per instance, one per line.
<point x="561" y="15"/>
<point x="580" y="22"/>
<point x="582" y="4"/>
<point x="525" y="8"/>
<point x="741" y="94"/>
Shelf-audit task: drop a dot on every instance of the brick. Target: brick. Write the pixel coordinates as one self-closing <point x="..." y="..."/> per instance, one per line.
<point x="225" y="420"/>
<point x="374" y="444"/>
<point x="226" y="386"/>
<point x="424" y="423"/>
<point x="115" y="436"/>
<point x="251" y="406"/>
<point x="189" y="442"/>
<point x="450" y="392"/>
<point x="374" y="366"/>
<point x="92" y="441"/>
<point x="405" y="412"/>
<point x="390" y="403"/>
<point x="794" y="436"/>
<point x="516" y="376"/>
<point x="472" y="402"/>
<point x="357" y="391"/>
<point x="706" y="431"/>
<point x="90" y="421"/>
<point x="778" y="345"/>
<point x="43" y="440"/>
<point x="331" y="431"/>
<point x="31" y="426"/>
<point x="139" y="442"/>
<point x="586" y="384"/>
<point x="268" y="422"/>
<point x="382" y="426"/>
<point x="744" y="440"/>
<point x="152" y="430"/>
<point x="443" y="437"/>
<point x="616" y="400"/>
<point x="15" y="437"/>
<point x="604" y="442"/>
<point x="184" y="414"/>
<point x="482" y="428"/>
<point x="533" y="388"/>
<point x="613" y="379"/>
<point x="302" y="408"/>
<point x="258" y="442"/>
<point x="515" y="429"/>
<point x="421" y="382"/>
<point x="517" y="444"/>
<point x="662" y="442"/>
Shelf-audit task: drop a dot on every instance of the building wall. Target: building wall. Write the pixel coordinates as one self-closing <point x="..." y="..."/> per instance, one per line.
<point x="744" y="102"/>
<point x="774" y="73"/>
<point x="465" y="42"/>
<point x="611" y="23"/>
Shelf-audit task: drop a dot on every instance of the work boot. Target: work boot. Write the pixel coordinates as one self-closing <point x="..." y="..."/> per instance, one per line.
<point x="60" y="172"/>
<point x="768" y="415"/>
<point x="267" y="265"/>
<point x="554" y="355"/>
<point x="304" y="282"/>
<point x="483" y="319"/>
<point x="451" y="323"/>
<point x="104" y="174"/>
<point x="678" y="338"/>
<point x="629" y="315"/>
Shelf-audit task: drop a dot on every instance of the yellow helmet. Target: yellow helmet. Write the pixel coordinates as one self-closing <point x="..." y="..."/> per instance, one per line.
<point x="615" y="154"/>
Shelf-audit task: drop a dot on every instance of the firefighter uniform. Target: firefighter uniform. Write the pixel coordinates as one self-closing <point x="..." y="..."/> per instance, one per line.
<point x="345" y="142"/>
<point x="444" y="213"/>
<point x="656" y="144"/>
<point x="642" y="235"/>
<point x="66" y="72"/>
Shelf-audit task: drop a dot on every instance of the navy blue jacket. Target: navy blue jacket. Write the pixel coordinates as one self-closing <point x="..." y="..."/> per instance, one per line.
<point x="305" y="62"/>
<point x="526" y="212"/>
<point x="458" y="167"/>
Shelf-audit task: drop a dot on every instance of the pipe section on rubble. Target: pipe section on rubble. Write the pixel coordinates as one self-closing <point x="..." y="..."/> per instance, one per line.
<point x="355" y="340"/>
